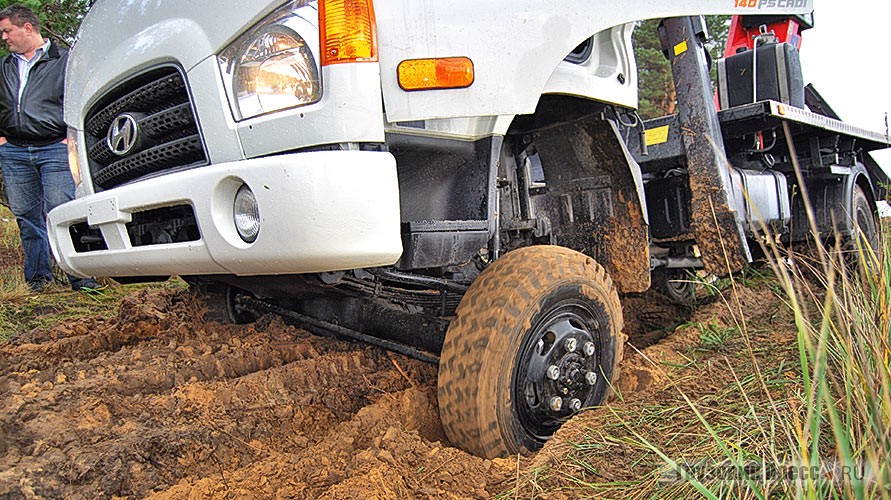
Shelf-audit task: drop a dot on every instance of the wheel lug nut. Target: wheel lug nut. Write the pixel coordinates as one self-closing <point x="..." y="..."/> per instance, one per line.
<point x="591" y="378"/>
<point x="589" y="348"/>
<point x="575" y="404"/>
<point x="556" y="403"/>
<point x="553" y="372"/>
<point x="570" y="344"/>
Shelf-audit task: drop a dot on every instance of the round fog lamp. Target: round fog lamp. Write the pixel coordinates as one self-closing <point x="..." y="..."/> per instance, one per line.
<point x="247" y="214"/>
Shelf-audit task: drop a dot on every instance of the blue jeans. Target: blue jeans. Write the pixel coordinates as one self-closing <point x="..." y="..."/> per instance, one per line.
<point x="37" y="180"/>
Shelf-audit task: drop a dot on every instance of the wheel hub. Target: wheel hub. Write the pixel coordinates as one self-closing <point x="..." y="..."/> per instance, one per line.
<point x="560" y="371"/>
<point x="567" y="372"/>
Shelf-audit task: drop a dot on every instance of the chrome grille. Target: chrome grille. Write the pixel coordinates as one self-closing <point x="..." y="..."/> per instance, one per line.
<point x="167" y="134"/>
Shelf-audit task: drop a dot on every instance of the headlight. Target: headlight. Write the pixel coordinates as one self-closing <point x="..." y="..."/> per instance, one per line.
<point x="272" y="66"/>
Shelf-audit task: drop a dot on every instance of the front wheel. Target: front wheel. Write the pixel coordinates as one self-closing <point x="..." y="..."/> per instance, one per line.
<point x="537" y="338"/>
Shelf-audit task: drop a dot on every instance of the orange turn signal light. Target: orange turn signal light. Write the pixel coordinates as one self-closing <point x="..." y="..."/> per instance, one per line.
<point x="348" y="31"/>
<point x="430" y="74"/>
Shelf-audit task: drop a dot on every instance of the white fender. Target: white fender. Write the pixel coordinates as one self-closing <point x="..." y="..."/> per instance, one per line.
<point x="517" y="47"/>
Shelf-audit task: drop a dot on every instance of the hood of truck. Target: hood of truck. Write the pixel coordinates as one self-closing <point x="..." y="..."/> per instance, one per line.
<point x="120" y="37"/>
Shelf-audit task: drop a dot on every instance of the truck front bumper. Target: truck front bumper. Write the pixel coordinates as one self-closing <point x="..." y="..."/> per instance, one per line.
<point x="319" y="211"/>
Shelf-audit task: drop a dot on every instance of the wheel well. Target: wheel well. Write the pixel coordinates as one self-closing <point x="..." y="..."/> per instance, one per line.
<point x="863" y="181"/>
<point x="832" y="201"/>
<point x="553" y="110"/>
<point x="589" y="196"/>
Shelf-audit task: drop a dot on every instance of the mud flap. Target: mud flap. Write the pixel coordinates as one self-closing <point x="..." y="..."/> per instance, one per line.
<point x="627" y="245"/>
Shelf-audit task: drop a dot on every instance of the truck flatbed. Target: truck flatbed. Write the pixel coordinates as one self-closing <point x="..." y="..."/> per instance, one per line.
<point x="742" y="120"/>
<point x="811" y="132"/>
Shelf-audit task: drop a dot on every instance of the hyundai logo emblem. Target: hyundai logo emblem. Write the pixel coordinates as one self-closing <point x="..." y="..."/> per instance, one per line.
<point x="122" y="134"/>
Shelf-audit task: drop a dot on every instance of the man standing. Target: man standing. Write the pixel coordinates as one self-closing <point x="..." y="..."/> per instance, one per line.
<point x="33" y="151"/>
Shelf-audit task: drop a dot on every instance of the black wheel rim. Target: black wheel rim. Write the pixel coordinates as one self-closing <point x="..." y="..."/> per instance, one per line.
<point x="561" y="366"/>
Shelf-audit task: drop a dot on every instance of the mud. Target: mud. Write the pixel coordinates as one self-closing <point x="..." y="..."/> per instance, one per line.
<point x="156" y="403"/>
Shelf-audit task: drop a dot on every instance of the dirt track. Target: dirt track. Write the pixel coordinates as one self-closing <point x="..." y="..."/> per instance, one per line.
<point x="155" y="403"/>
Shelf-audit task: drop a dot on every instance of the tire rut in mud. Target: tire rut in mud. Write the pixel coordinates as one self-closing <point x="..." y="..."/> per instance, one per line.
<point x="155" y="402"/>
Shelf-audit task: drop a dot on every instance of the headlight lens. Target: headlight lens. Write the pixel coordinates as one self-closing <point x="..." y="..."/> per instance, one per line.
<point x="272" y="67"/>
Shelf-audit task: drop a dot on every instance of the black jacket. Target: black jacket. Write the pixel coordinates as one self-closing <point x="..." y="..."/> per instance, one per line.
<point x="38" y="119"/>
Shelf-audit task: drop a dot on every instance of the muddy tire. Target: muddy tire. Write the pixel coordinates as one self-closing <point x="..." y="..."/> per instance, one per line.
<point x="540" y="325"/>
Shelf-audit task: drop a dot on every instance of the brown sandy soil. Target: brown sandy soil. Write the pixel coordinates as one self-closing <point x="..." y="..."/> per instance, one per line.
<point x="155" y="403"/>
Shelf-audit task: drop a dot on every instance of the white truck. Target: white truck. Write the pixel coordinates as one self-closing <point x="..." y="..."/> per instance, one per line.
<point x="465" y="182"/>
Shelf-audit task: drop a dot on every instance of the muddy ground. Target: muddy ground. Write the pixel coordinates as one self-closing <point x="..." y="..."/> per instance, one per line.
<point x="156" y="403"/>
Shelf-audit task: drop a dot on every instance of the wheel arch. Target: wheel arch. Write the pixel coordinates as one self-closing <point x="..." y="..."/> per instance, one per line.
<point x="859" y="177"/>
<point x="595" y="201"/>
<point x="832" y="199"/>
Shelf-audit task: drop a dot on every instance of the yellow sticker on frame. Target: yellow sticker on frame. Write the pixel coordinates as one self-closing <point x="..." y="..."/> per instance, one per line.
<point x="658" y="135"/>
<point x="680" y="48"/>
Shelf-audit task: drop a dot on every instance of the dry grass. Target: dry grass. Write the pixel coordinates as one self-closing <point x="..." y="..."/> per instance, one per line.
<point x="805" y="411"/>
